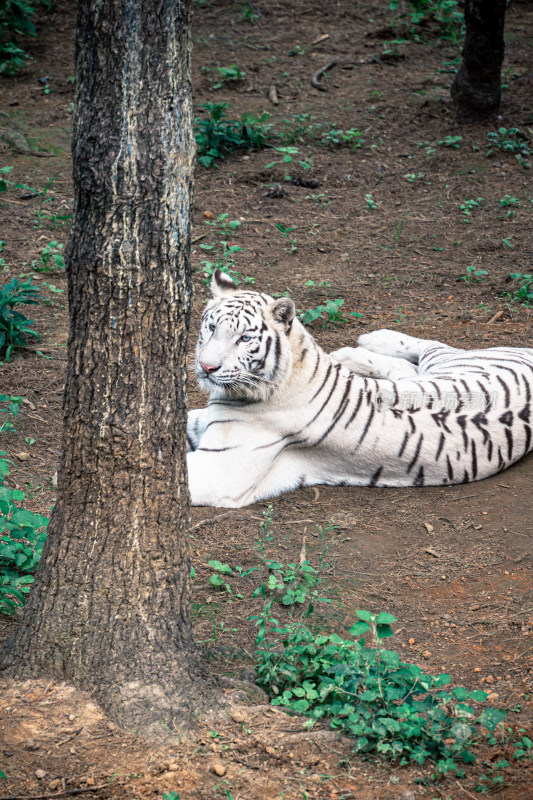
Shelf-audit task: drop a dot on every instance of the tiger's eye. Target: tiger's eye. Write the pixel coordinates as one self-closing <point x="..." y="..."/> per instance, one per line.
<point x="245" y="338"/>
<point x="212" y="327"/>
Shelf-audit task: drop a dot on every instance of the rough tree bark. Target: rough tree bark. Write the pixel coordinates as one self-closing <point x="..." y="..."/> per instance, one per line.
<point x="109" y="610"/>
<point x="476" y="90"/>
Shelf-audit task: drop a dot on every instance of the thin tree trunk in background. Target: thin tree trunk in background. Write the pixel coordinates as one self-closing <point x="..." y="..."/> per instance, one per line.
<point x="109" y="610"/>
<point x="476" y="90"/>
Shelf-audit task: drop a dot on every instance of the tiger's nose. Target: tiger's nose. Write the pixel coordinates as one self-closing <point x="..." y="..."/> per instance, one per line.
<point x="207" y="368"/>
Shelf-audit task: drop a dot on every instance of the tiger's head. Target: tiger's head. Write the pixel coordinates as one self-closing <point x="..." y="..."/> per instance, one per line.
<point x="243" y="350"/>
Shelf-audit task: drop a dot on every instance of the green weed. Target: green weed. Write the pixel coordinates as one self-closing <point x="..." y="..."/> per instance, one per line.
<point x="524" y="293"/>
<point x="467" y="206"/>
<point x="443" y="16"/>
<point x="320" y="285"/>
<point x="351" y="138"/>
<point x="230" y="74"/>
<point x="411" y="177"/>
<point x="329" y="313"/>
<point x="288" y="153"/>
<point x="391" y="708"/>
<point x="249" y="14"/>
<point x="22" y="533"/>
<point x="453" y="142"/>
<point x="224" y="261"/>
<point x="510" y="140"/>
<point x="525" y="749"/>
<point x="50" y="259"/>
<point x="14" y="326"/>
<point x="509" y="202"/>
<point x="216" y="135"/>
<point x="473" y="275"/>
<point x="9" y="409"/>
<point x="285" y="231"/>
<point x="16" y="18"/>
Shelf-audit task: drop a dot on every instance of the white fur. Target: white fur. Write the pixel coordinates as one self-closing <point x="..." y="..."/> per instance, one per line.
<point x="382" y="417"/>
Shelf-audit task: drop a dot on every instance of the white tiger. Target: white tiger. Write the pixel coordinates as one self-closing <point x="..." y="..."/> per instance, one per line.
<point x="396" y="411"/>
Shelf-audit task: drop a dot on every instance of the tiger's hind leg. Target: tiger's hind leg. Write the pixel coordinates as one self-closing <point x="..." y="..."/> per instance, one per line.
<point x="373" y="365"/>
<point x="396" y="344"/>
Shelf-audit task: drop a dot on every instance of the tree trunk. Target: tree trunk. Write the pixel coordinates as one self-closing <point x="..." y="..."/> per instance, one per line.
<point x="109" y="610"/>
<point x="476" y="90"/>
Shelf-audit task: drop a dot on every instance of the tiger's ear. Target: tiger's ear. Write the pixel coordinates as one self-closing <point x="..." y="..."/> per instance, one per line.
<point x="283" y="310"/>
<point x="221" y="284"/>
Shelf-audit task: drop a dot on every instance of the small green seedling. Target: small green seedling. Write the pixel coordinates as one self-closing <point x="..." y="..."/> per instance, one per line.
<point x="524" y="294"/>
<point x="329" y="313"/>
<point x="288" y="154"/>
<point x="467" y="206"/>
<point x="229" y="74"/>
<point x="320" y="285"/>
<point x="370" y="202"/>
<point x="51" y="258"/>
<point x="351" y="138"/>
<point x="453" y="142"/>
<point x="285" y="231"/>
<point x="473" y="275"/>
<point x="510" y="140"/>
<point x="411" y="177"/>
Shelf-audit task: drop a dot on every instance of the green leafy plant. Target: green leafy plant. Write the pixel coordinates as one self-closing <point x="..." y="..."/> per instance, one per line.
<point x="14" y="326"/>
<point x="351" y="138"/>
<point x="510" y="140"/>
<point x="493" y="779"/>
<point x="5" y="183"/>
<point x="320" y="285"/>
<point x="467" y="206"/>
<point x="9" y="409"/>
<point x="230" y="74"/>
<point x="216" y="135"/>
<point x="411" y="177"/>
<point x="391" y="708"/>
<point x="524" y="293"/>
<point x="509" y="202"/>
<point x="220" y="577"/>
<point x="285" y="231"/>
<point x="224" y="253"/>
<point x="224" y="224"/>
<point x="400" y="316"/>
<point x="453" y="142"/>
<point x="329" y="313"/>
<point x="321" y="199"/>
<point x="51" y="258"/>
<point x="173" y="795"/>
<point x="17" y="17"/>
<point x="288" y="154"/>
<point x="370" y="202"/>
<point x="250" y="14"/>
<point x="473" y="275"/>
<point x="293" y="584"/>
<point x="524" y="749"/>
<point x="444" y="16"/>
<point x="22" y="538"/>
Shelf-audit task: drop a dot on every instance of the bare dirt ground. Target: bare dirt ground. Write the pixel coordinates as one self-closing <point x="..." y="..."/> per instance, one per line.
<point x="452" y="564"/>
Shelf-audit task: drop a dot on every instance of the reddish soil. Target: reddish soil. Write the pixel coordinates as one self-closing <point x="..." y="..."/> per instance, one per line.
<point x="452" y="564"/>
